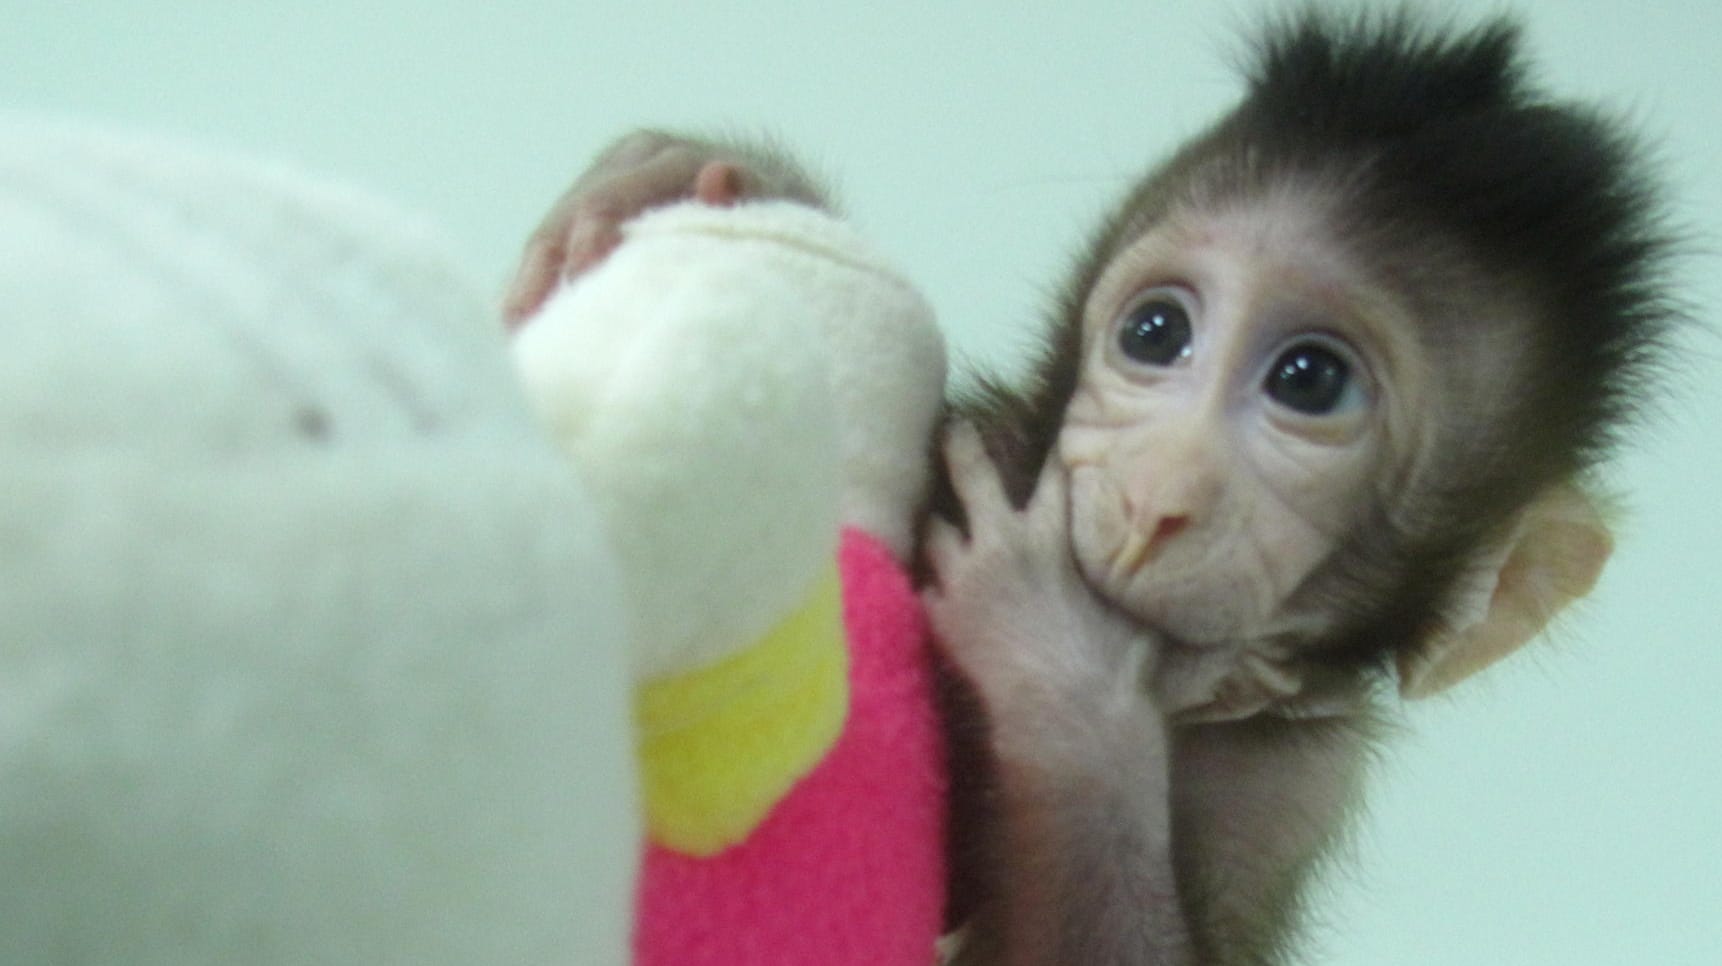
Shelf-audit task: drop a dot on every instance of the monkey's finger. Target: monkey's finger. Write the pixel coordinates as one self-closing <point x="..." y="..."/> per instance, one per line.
<point x="585" y="224"/>
<point x="1049" y="505"/>
<point x="629" y="151"/>
<point x="590" y="242"/>
<point x="540" y="265"/>
<point x="720" y="184"/>
<point x="944" y="545"/>
<point x="973" y="475"/>
<point x="665" y="178"/>
<point x="543" y="259"/>
<point x="1136" y="666"/>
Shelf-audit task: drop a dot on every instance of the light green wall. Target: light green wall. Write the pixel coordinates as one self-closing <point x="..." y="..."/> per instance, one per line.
<point x="1564" y="810"/>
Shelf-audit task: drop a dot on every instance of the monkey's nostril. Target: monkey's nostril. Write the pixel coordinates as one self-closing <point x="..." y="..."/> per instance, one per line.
<point x="1168" y="527"/>
<point x="1140" y="545"/>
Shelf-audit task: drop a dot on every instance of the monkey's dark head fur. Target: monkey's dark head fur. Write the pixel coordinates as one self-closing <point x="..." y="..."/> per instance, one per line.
<point x="1500" y="216"/>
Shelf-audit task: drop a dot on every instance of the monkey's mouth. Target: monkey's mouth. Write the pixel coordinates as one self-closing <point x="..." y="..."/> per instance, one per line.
<point x="1121" y="597"/>
<point x="1188" y="616"/>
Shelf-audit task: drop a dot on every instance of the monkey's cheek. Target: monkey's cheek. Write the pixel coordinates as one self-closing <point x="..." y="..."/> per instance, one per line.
<point x="1099" y="523"/>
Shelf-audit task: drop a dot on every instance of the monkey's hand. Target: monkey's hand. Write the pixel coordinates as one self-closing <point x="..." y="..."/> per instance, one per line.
<point x="643" y="170"/>
<point x="1011" y="611"/>
<point x="1083" y="864"/>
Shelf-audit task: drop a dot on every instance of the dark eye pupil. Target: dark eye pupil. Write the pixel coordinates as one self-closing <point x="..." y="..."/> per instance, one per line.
<point x="1156" y="333"/>
<point x="1309" y="379"/>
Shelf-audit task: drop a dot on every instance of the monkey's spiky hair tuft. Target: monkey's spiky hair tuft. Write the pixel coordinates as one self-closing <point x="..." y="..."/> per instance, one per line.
<point x="1383" y="77"/>
<point x="1550" y="200"/>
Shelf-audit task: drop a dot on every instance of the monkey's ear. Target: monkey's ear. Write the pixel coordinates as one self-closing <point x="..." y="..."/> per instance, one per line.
<point x="1554" y="557"/>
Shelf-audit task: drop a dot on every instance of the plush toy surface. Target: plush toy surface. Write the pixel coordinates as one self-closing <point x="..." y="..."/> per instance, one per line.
<point x="749" y="393"/>
<point x="310" y="647"/>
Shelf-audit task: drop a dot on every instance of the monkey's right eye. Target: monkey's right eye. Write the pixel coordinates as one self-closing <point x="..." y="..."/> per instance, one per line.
<point x="1156" y="332"/>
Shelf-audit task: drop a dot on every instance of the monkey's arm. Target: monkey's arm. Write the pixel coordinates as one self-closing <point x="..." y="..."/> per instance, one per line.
<point x="1082" y="869"/>
<point x="1085" y="856"/>
<point x="642" y="170"/>
<point x="1256" y="806"/>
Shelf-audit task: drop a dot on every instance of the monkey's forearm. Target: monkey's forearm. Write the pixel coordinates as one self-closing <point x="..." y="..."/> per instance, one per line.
<point x="1079" y="866"/>
<point x="1083" y="867"/>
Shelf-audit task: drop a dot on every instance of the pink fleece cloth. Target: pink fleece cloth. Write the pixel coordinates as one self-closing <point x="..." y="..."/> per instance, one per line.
<point x="849" y="868"/>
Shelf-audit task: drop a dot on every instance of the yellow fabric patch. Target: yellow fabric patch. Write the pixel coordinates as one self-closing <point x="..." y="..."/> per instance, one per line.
<point x="721" y="745"/>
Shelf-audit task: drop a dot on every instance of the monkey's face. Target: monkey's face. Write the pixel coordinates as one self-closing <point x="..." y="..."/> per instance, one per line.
<point x="1244" y="390"/>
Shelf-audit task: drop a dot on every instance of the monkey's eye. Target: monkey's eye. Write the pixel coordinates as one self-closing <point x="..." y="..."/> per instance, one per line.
<point x="1156" y="332"/>
<point x="1313" y="379"/>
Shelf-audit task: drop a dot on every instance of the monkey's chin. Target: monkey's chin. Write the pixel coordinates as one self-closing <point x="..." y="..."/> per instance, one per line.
<point x="1169" y="613"/>
<point x="1156" y="589"/>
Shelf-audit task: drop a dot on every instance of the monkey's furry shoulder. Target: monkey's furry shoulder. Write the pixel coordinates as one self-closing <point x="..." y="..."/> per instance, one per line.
<point x="749" y="394"/>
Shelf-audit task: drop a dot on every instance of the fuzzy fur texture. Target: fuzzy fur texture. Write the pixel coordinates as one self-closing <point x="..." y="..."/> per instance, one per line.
<point x="849" y="868"/>
<point x="726" y="367"/>
<point x="732" y="384"/>
<point x="690" y="390"/>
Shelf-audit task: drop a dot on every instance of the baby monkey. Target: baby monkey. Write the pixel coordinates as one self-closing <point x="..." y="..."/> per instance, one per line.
<point x="1315" y="418"/>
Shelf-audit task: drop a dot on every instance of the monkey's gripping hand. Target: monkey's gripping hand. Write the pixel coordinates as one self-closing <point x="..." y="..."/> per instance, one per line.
<point x="1010" y="609"/>
<point x="643" y="170"/>
<point x="1082" y="870"/>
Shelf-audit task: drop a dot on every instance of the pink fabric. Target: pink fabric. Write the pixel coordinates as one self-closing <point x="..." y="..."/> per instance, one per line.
<point x="850" y="867"/>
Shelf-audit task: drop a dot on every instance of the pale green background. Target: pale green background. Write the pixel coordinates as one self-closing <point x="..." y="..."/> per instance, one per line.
<point x="1564" y="810"/>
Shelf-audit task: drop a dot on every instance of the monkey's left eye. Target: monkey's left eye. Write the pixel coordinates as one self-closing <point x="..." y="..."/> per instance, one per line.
<point x="1156" y="332"/>
<point x="1313" y="379"/>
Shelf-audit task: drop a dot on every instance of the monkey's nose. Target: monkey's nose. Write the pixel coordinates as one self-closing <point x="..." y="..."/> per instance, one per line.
<point x="1144" y="543"/>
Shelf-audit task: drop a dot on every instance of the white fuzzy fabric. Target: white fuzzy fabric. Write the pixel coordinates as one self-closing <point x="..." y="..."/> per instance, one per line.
<point x="733" y="383"/>
<point x="309" y="651"/>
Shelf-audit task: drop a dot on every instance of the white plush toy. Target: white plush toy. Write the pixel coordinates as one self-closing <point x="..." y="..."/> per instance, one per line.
<point x="310" y="652"/>
<point x="750" y="394"/>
